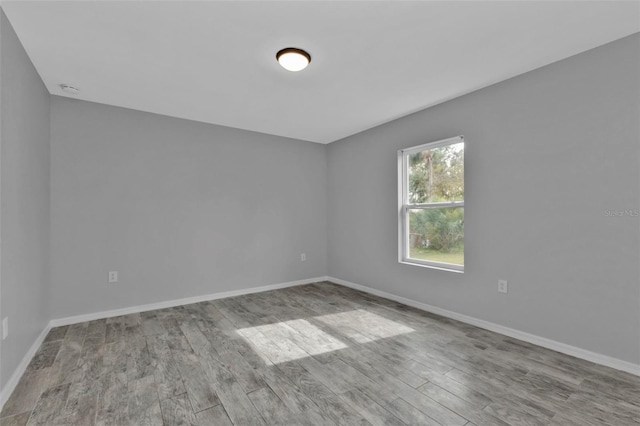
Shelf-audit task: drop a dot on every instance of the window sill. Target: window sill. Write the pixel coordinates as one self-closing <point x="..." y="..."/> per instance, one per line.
<point x="434" y="265"/>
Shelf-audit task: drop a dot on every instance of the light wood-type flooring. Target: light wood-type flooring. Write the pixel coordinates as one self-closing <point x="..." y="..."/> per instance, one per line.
<point x="318" y="354"/>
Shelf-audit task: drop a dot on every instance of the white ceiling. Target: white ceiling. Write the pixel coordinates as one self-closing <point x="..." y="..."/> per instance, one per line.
<point x="372" y="62"/>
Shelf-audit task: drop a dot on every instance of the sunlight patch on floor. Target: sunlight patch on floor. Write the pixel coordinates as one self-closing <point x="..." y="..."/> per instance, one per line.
<point x="363" y="326"/>
<point x="290" y="340"/>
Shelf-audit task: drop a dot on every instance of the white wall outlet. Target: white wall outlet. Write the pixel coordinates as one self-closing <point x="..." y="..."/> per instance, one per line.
<point x="303" y="257"/>
<point x="5" y="328"/>
<point x="113" y="276"/>
<point x="503" y="286"/>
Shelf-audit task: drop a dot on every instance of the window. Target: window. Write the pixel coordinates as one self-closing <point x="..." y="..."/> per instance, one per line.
<point x="431" y="204"/>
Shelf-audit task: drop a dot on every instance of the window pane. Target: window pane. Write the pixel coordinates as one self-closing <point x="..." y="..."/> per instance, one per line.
<point x="437" y="235"/>
<point x="437" y="175"/>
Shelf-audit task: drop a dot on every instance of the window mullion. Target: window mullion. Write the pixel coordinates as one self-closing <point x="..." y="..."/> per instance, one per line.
<point x="436" y="205"/>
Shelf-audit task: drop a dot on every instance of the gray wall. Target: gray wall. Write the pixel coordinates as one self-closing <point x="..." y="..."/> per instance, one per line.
<point x="179" y="208"/>
<point x="546" y="154"/>
<point x="25" y="200"/>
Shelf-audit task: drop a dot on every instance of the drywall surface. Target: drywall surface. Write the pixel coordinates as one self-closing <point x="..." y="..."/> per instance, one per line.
<point x="178" y="208"/>
<point x="550" y="156"/>
<point x="25" y="200"/>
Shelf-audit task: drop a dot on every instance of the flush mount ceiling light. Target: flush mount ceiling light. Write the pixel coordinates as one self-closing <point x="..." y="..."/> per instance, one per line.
<point x="293" y="59"/>
<point x="70" y="90"/>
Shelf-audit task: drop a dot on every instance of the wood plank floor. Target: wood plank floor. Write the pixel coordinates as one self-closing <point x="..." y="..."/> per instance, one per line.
<point x="318" y="354"/>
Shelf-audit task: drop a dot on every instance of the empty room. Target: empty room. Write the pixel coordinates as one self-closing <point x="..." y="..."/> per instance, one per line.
<point x="320" y="213"/>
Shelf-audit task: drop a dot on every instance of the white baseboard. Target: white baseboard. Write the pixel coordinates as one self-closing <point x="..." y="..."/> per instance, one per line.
<point x="17" y="374"/>
<point x="594" y="357"/>
<point x="527" y="337"/>
<point x="176" y="302"/>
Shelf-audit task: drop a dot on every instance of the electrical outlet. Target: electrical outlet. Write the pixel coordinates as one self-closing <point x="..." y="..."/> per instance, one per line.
<point x="5" y="328"/>
<point x="303" y="257"/>
<point x="503" y="286"/>
<point x="113" y="276"/>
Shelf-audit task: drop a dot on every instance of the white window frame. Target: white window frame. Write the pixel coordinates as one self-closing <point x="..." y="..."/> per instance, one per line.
<point x="404" y="206"/>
